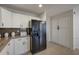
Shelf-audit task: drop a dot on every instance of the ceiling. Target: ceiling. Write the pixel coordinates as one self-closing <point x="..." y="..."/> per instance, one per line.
<point x="51" y="9"/>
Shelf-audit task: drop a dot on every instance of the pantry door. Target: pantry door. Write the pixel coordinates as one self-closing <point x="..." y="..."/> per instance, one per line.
<point x="55" y="32"/>
<point x="66" y="30"/>
<point x="62" y="29"/>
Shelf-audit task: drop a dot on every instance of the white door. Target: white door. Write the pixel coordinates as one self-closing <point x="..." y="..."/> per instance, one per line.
<point x="66" y="31"/>
<point x="55" y="37"/>
<point x="63" y="36"/>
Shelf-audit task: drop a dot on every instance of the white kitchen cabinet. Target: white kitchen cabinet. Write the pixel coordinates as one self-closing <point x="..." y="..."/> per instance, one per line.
<point x="17" y="46"/>
<point x="0" y="17"/>
<point x="26" y="42"/>
<point x="9" y="19"/>
<point x="16" y="20"/>
<point x="20" y="20"/>
<point x="24" y="21"/>
<point x="21" y="46"/>
<point x="10" y="50"/>
<point x="6" y="18"/>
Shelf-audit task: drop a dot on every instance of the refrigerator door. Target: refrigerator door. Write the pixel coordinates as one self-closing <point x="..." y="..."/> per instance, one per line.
<point x="42" y="35"/>
<point x="35" y="36"/>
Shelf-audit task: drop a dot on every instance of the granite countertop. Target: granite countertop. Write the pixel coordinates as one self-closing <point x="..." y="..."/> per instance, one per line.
<point x="4" y="41"/>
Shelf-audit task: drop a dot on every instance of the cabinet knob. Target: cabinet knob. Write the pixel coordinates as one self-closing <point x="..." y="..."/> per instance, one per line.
<point x="24" y="43"/>
<point x="2" y="24"/>
<point x="19" y="39"/>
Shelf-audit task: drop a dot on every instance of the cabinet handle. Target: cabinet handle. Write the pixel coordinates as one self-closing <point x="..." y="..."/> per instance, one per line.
<point x="2" y="24"/>
<point x="23" y="43"/>
<point x="19" y="39"/>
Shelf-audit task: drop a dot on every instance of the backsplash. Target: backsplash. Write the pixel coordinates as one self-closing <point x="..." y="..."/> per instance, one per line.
<point x="16" y="30"/>
<point x="9" y="30"/>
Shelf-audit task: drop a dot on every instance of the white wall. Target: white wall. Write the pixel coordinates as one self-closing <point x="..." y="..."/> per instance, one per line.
<point x="76" y="27"/>
<point x="48" y="29"/>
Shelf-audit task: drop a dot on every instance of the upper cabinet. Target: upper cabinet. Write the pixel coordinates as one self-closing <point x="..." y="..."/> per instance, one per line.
<point x="9" y="19"/>
<point x="16" y="20"/>
<point x="25" y="21"/>
<point x="6" y="17"/>
<point x="20" y="20"/>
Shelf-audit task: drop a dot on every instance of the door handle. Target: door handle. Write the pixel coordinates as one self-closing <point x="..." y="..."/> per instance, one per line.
<point x="58" y="27"/>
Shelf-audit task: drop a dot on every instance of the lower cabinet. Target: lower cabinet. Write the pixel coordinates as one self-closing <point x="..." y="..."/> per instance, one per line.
<point x="11" y="46"/>
<point x="17" y="46"/>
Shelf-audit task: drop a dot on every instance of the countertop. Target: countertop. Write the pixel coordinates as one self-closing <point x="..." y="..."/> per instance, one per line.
<point x="4" y="41"/>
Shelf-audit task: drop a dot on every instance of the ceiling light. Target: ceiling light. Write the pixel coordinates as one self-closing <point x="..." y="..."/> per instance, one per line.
<point x="40" y="5"/>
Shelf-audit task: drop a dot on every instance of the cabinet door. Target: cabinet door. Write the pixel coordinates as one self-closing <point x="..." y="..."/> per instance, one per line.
<point x="19" y="49"/>
<point x="24" y="21"/>
<point x="26" y="44"/>
<point x="6" y="18"/>
<point x="20" y="20"/>
<point x="10" y="50"/>
<point x="16" y="20"/>
<point x="22" y="45"/>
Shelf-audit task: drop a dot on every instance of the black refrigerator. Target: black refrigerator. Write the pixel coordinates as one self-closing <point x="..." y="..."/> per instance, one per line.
<point x="38" y="36"/>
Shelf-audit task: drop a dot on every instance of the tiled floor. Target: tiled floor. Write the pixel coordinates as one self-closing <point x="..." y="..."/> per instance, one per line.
<point x="55" y="49"/>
